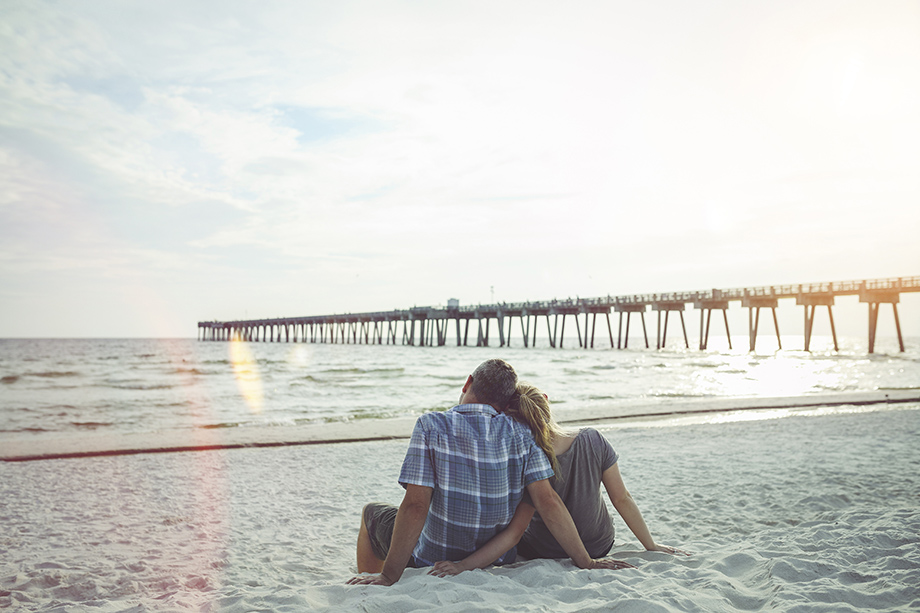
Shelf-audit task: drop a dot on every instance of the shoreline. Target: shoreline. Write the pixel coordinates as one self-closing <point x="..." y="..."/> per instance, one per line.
<point x="131" y="443"/>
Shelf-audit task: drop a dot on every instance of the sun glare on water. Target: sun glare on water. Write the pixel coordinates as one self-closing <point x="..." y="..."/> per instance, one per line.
<point x="246" y="372"/>
<point x="778" y="376"/>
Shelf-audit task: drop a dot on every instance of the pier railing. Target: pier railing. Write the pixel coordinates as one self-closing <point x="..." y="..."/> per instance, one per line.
<point x="382" y="327"/>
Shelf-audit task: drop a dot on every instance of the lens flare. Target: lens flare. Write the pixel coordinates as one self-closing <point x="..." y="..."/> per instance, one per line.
<point x="299" y="357"/>
<point x="246" y="372"/>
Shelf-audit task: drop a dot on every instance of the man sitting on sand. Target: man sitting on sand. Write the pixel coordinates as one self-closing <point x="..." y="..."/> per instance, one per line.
<point x="465" y="473"/>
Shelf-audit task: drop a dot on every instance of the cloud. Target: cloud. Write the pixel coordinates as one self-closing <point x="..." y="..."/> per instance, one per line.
<point x="402" y="142"/>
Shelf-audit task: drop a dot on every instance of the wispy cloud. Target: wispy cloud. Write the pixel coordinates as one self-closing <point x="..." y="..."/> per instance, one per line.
<point x="409" y="146"/>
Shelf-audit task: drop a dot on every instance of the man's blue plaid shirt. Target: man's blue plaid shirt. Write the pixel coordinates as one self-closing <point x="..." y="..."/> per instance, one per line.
<point x="479" y="462"/>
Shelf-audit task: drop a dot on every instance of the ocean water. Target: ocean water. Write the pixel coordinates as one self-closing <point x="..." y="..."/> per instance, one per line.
<point x="61" y="387"/>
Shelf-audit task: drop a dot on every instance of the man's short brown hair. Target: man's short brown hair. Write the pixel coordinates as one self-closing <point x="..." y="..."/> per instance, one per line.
<point x="494" y="382"/>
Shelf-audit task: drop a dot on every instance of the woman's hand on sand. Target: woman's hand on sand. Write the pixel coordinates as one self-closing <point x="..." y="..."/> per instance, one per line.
<point x="443" y="569"/>
<point x="370" y="580"/>
<point x="610" y="564"/>
<point x="674" y="551"/>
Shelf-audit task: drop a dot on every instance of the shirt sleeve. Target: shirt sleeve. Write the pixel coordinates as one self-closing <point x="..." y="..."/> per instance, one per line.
<point x="418" y="468"/>
<point x="604" y="450"/>
<point x="536" y="466"/>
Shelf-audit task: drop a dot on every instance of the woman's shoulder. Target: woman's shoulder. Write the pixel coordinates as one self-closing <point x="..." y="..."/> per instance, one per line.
<point x="587" y="439"/>
<point x="598" y="444"/>
<point x="590" y="435"/>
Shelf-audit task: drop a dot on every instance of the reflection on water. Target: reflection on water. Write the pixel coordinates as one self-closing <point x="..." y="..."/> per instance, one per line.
<point x="246" y="371"/>
<point x="667" y="421"/>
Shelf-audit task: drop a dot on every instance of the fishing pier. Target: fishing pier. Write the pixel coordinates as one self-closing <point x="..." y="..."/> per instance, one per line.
<point x="429" y="326"/>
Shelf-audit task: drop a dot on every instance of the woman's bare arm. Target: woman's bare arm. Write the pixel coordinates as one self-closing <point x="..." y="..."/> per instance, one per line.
<point x="491" y="551"/>
<point x="628" y="509"/>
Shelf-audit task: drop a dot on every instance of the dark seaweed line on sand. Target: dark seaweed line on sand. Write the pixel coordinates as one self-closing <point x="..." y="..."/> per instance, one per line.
<point x="291" y="443"/>
<point x="116" y="452"/>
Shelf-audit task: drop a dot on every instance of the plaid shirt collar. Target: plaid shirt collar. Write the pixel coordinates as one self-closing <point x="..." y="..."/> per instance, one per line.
<point x="472" y="408"/>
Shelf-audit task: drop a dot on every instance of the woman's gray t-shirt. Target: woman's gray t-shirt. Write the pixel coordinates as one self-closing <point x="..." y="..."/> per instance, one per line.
<point x="581" y="468"/>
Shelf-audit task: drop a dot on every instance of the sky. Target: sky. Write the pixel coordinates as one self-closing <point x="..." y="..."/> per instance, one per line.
<point x="164" y="163"/>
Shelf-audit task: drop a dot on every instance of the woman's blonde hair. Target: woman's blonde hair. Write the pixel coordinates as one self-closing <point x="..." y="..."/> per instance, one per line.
<point x="531" y="407"/>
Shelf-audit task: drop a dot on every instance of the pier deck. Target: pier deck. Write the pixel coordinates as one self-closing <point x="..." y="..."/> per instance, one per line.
<point x="428" y="326"/>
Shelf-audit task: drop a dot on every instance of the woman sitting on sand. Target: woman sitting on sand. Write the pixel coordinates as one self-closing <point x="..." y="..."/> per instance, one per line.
<point x="582" y="460"/>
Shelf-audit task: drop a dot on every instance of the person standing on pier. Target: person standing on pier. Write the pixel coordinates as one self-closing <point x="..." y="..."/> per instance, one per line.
<point x="465" y="473"/>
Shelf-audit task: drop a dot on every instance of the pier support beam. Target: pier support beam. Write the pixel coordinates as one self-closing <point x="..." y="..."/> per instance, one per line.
<point x="760" y="302"/>
<point x="667" y="307"/>
<point x="525" y="331"/>
<point x="558" y="335"/>
<point x="875" y="298"/>
<point x="629" y="309"/>
<point x="706" y="307"/>
<point x="810" y="301"/>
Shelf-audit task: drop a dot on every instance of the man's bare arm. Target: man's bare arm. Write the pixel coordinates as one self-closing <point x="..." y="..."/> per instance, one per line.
<point x="410" y="519"/>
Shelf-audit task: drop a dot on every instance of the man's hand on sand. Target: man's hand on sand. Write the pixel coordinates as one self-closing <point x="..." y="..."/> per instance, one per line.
<point x="611" y="564"/>
<point x="370" y="580"/>
<point x="443" y="569"/>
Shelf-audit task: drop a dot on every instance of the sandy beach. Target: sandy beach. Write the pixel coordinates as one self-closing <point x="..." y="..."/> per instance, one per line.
<point x="810" y="512"/>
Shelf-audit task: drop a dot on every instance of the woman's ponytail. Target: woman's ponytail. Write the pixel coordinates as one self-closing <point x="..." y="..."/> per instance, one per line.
<point x="530" y="407"/>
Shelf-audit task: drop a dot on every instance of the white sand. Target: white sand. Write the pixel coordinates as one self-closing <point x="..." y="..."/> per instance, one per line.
<point x="816" y="513"/>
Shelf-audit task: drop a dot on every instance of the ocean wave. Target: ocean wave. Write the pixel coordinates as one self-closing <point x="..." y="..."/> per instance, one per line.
<point x="704" y="365"/>
<point x="91" y="424"/>
<point x="434" y="377"/>
<point x="830" y="388"/>
<point x="138" y="387"/>
<point x="174" y="405"/>
<point x="268" y="422"/>
<point x="58" y="387"/>
<point x="9" y="379"/>
<point x="343" y="371"/>
<point x="54" y="374"/>
<point x="188" y="371"/>
<point x="65" y="407"/>
<point x="354" y="370"/>
<point x="371" y="414"/>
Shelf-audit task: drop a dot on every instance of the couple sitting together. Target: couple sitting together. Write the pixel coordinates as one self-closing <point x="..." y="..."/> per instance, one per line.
<point x="475" y="475"/>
